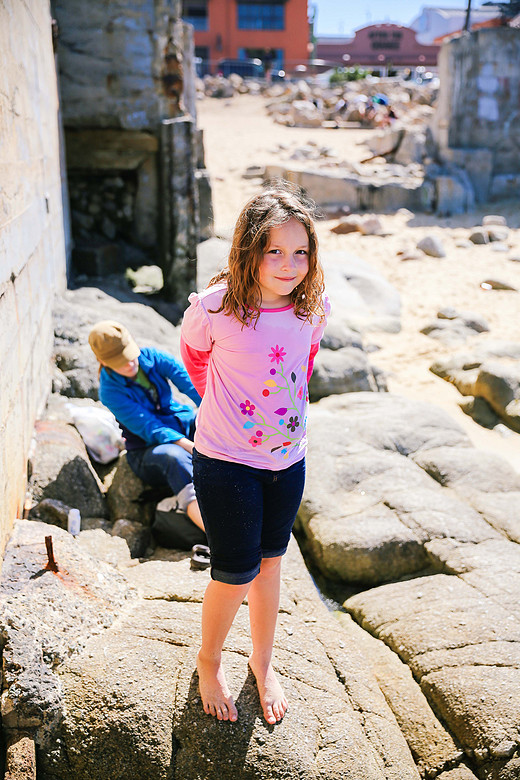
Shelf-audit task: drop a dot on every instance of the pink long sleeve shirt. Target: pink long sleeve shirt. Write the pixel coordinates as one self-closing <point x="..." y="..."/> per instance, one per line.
<point x="253" y="381"/>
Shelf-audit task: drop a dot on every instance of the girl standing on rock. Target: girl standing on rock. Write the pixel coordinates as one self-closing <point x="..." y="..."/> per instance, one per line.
<point x="249" y="342"/>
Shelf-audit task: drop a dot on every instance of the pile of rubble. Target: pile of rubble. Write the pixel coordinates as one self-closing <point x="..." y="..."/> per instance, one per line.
<point x="367" y="103"/>
<point x="401" y="170"/>
<point x="307" y="103"/>
<point x="222" y="87"/>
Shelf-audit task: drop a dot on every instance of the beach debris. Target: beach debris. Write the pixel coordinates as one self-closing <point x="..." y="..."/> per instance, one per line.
<point x="494" y="219"/>
<point x="409" y="254"/>
<point x="432" y="246"/>
<point x="452" y="325"/>
<point x="348" y="224"/>
<point x="479" y="236"/>
<point x="369" y="225"/>
<point x="254" y="171"/>
<point x="498" y="233"/>
<point x="497" y="284"/>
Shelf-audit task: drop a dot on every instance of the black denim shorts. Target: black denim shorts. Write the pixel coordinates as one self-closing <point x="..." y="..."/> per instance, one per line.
<point x="248" y="513"/>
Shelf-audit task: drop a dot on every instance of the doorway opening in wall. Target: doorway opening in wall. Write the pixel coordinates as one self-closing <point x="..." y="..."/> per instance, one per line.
<point x="103" y="218"/>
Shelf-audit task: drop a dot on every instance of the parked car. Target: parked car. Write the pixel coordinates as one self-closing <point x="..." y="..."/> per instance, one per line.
<point x="247" y="68"/>
<point x="278" y="75"/>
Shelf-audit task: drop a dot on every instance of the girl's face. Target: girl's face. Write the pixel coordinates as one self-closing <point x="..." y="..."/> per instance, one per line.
<point x="284" y="265"/>
<point x="129" y="370"/>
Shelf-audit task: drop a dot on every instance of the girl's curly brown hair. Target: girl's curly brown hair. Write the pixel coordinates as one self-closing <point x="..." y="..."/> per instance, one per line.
<point x="276" y="204"/>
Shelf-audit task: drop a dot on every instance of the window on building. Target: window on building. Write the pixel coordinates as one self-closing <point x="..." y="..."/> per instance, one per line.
<point x="260" y="16"/>
<point x="195" y="12"/>
<point x="201" y="60"/>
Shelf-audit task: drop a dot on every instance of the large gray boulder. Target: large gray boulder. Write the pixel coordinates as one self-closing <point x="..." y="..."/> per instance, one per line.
<point x="60" y="468"/>
<point x="78" y="310"/>
<point x="125" y="696"/>
<point x="454" y="624"/>
<point x="361" y="298"/>
<point x="459" y="633"/>
<point x="395" y="491"/>
<point x="126" y="496"/>
<point x="490" y="373"/>
<point x="346" y="370"/>
<point x="386" y="475"/>
<point x="431" y="744"/>
<point x="47" y="616"/>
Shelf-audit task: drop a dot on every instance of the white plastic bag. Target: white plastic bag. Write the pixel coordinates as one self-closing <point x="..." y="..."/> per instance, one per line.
<point x="99" y="430"/>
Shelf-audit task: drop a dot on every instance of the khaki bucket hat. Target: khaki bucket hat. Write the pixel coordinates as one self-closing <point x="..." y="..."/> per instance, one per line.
<point x="112" y="344"/>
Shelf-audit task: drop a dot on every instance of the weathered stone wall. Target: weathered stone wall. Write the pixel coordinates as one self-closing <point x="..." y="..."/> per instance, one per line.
<point x="32" y="243"/>
<point x="479" y="106"/>
<point x="126" y="67"/>
<point x="119" y="61"/>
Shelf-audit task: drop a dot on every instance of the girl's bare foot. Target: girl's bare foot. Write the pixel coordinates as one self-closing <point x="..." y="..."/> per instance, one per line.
<point x="272" y="697"/>
<point x="214" y="691"/>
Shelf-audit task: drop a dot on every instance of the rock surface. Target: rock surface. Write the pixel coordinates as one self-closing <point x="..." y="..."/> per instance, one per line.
<point x="60" y="469"/>
<point x="126" y="697"/>
<point x="386" y="477"/>
<point x="452" y="326"/>
<point x="361" y="298"/>
<point x="395" y="491"/>
<point x="47" y="616"/>
<point x="490" y="373"/>
<point x="345" y="370"/>
<point x="432" y="246"/>
<point x="124" y="496"/>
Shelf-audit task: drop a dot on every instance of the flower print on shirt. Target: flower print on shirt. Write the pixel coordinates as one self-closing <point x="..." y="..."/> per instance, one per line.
<point x="256" y="440"/>
<point x="283" y="425"/>
<point x="293" y="423"/>
<point x="247" y="408"/>
<point x="277" y="353"/>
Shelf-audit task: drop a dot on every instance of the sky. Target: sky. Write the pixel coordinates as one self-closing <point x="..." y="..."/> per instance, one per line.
<point x="342" y="17"/>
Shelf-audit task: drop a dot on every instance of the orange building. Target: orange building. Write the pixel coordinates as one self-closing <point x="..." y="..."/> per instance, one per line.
<point x="274" y="31"/>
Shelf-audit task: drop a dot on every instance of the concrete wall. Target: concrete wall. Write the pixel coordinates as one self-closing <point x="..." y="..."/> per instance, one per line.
<point x="121" y="62"/>
<point x="32" y="244"/>
<point x="126" y="67"/>
<point x="479" y="98"/>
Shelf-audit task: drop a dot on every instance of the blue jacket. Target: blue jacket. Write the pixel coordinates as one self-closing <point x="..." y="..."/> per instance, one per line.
<point x="134" y="407"/>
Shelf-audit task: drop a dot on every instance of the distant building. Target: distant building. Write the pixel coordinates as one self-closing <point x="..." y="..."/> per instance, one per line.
<point x="378" y="47"/>
<point x="274" y="31"/>
<point x="436" y="22"/>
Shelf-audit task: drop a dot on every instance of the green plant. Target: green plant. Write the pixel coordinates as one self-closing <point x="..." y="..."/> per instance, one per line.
<point x="343" y="74"/>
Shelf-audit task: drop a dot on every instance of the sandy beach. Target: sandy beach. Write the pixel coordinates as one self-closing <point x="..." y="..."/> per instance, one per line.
<point x="238" y="132"/>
